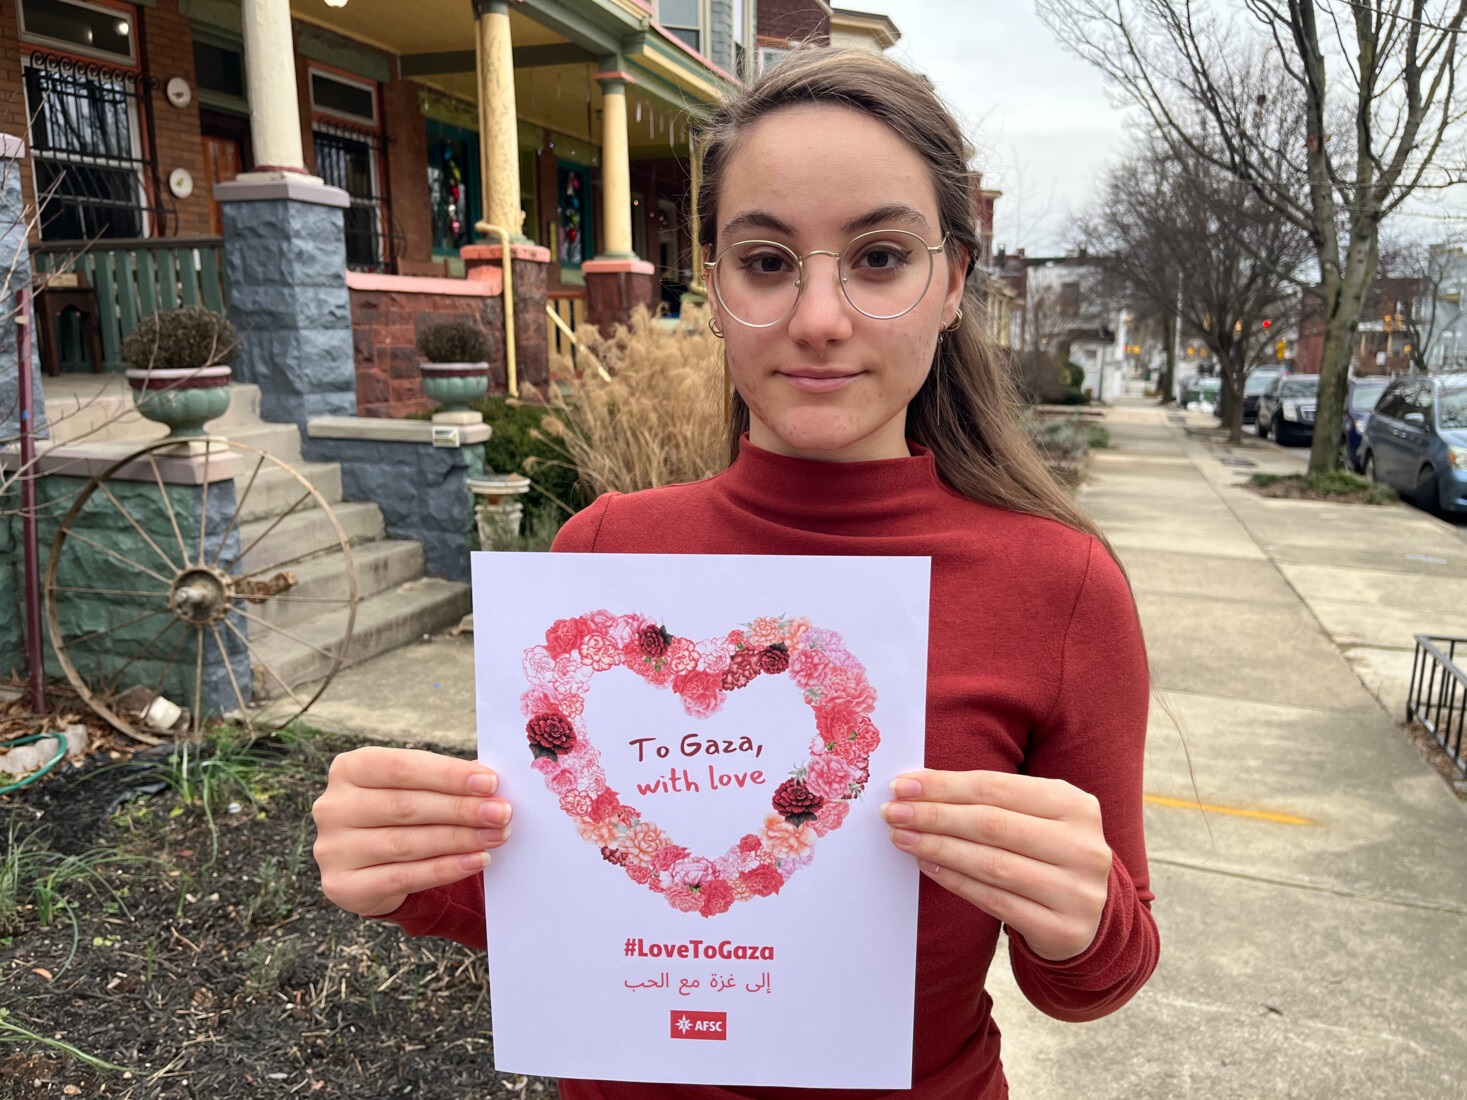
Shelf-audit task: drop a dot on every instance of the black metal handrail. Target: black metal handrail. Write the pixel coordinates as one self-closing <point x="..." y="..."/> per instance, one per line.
<point x="1438" y="696"/>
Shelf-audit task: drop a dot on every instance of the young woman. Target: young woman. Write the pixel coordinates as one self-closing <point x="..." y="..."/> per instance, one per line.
<point x="870" y="417"/>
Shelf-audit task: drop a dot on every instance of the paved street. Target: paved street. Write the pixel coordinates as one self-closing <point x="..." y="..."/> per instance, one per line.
<point x="1314" y="914"/>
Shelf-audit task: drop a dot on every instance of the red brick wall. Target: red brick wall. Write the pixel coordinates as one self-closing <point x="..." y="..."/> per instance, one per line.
<point x="168" y="51"/>
<point x="793" y="19"/>
<point x="384" y="330"/>
<point x="405" y="140"/>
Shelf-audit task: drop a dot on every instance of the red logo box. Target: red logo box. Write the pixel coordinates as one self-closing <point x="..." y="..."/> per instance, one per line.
<point x="699" y="1025"/>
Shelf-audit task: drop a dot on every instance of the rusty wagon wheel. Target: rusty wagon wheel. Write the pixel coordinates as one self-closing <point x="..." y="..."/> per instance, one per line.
<point x="174" y="605"/>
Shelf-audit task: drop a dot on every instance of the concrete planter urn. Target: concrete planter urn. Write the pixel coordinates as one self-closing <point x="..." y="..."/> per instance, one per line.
<point x="455" y="368"/>
<point x="497" y="507"/>
<point x="185" y="399"/>
<point x="454" y="385"/>
<point x="178" y="368"/>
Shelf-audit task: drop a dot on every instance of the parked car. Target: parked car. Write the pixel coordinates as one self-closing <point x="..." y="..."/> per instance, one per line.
<point x="1416" y="440"/>
<point x="1257" y="381"/>
<point x="1360" y="399"/>
<point x="1286" y="408"/>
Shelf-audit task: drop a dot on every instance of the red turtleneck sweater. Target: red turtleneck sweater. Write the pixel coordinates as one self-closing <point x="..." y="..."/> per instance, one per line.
<point x="1036" y="665"/>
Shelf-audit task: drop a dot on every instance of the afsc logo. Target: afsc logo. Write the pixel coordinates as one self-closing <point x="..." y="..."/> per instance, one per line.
<point x="699" y="1025"/>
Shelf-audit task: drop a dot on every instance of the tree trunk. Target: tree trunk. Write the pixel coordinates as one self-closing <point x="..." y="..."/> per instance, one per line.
<point x="1344" y="299"/>
<point x="1167" y="385"/>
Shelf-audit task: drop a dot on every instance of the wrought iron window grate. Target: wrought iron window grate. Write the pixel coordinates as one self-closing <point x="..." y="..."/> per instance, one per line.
<point x="1438" y="696"/>
<point x="348" y="158"/>
<point x="87" y="147"/>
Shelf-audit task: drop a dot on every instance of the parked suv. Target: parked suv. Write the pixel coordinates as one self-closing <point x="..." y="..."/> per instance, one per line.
<point x="1256" y="382"/>
<point x="1286" y="408"/>
<point x="1416" y="440"/>
<point x="1360" y="399"/>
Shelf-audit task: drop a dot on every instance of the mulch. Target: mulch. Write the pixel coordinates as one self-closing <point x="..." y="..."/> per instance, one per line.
<point x="209" y="965"/>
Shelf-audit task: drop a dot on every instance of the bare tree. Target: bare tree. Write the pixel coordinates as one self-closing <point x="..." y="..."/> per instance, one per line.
<point x="1376" y="87"/>
<point x="1191" y="240"/>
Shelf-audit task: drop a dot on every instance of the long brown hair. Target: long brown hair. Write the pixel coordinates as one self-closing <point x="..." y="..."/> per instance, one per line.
<point x="966" y="410"/>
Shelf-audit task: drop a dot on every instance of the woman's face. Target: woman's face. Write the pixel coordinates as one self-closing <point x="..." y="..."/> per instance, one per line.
<point x="829" y="382"/>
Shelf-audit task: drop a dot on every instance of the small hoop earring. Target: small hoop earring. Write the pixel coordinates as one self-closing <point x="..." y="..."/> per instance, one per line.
<point x="957" y="320"/>
<point x="713" y="327"/>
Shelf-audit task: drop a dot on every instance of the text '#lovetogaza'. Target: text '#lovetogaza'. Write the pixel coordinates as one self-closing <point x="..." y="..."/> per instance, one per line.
<point x="638" y="948"/>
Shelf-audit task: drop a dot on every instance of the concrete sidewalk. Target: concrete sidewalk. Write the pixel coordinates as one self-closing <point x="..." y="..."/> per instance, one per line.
<point x="1314" y="915"/>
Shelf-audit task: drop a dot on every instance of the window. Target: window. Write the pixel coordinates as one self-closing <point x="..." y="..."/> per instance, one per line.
<point x="349" y="156"/>
<point x="340" y="97"/>
<point x="683" y="20"/>
<point x="86" y="28"/>
<point x="453" y="186"/>
<point x="574" y="214"/>
<point x="85" y="149"/>
<point x="219" y="69"/>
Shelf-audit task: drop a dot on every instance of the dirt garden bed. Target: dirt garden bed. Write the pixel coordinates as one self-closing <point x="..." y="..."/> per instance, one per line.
<point x="1338" y="487"/>
<point x="163" y="934"/>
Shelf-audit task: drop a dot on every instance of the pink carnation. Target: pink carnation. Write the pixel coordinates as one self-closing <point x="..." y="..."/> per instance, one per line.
<point x="716" y="897"/>
<point x="600" y="652"/>
<point x="682" y="655"/>
<point x="683" y="899"/>
<point x="701" y="692"/>
<point x="829" y="776"/>
<point x="668" y="857"/>
<point x="691" y="870"/>
<point x="829" y="817"/>
<point x="576" y="803"/>
<point x="564" y="635"/>
<point x="643" y="842"/>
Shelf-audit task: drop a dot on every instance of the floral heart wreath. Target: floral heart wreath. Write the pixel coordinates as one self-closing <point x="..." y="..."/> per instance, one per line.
<point x="812" y="802"/>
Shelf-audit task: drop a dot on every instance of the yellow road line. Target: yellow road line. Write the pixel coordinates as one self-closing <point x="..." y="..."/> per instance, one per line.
<point x="1232" y="811"/>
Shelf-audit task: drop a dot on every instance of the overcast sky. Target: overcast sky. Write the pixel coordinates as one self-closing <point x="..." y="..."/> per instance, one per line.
<point x="1039" y="116"/>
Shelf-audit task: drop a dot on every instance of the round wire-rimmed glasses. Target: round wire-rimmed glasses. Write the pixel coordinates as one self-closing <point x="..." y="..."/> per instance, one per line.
<point x="884" y="274"/>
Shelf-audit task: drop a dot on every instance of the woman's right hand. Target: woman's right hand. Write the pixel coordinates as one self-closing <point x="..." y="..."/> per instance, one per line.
<point x="392" y="822"/>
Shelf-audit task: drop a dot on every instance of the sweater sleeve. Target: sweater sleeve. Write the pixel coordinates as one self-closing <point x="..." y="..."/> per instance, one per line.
<point x="1094" y="738"/>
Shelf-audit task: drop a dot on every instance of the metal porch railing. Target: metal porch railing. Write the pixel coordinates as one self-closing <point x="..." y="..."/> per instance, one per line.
<point x="1438" y="696"/>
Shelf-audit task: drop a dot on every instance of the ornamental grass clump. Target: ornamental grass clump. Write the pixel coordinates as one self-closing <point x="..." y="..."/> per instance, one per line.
<point x="458" y="341"/>
<point x="188" y="338"/>
<point x="658" y="415"/>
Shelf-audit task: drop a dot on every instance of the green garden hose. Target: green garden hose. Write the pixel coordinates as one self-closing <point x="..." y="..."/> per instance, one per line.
<point x="13" y="742"/>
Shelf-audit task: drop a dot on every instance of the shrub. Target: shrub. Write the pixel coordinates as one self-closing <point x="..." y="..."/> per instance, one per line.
<point x="659" y="419"/>
<point x="1039" y="378"/>
<point x="457" y="341"/>
<point x="180" y="339"/>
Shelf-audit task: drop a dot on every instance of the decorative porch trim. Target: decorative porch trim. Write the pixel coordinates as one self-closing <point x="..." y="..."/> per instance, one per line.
<point x="413" y="284"/>
<point x="292" y="189"/>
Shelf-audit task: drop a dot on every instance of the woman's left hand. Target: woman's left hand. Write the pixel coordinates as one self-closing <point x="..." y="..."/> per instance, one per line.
<point x="1030" y="852"/>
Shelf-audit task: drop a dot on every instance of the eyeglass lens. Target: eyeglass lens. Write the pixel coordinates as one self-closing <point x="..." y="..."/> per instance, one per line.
<point x="883" y="275"/>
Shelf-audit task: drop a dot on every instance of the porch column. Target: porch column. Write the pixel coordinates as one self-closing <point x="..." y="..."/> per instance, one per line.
<point x="275" y="120"/>
<point x="616" y="280"/>
<point x="499" y="146"/>
<point x="616" y="168"/>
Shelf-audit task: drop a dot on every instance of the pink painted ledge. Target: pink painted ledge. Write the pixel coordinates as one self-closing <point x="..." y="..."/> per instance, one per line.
<point x="488" y="283"/>
<point x="612" y="267"/>
<point x="480" y="252"/>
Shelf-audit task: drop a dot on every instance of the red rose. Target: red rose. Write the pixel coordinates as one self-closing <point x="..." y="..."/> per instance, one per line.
<point x="551" y="731"/>
<point x="774" y="658"/>
<point x="563" y="636"/>
<point x="792" y="798"/>
<point x="716" y="897"/>
<point x="762" y="880"/>
<point x="652" y="641"/>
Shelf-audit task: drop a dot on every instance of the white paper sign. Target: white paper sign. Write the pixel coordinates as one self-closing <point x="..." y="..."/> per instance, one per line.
<point x="699" y="887"/>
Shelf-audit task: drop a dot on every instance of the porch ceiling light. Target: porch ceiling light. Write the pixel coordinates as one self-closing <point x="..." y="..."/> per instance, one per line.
<point x="336" y="3"/>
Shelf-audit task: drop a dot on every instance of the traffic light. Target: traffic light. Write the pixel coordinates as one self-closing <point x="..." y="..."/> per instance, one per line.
<point x="1267" y="325"/>
<point x="1280" y="349"/>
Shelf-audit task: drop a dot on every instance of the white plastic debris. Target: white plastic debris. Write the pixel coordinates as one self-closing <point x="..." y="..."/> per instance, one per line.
<point x="24" y="759"/>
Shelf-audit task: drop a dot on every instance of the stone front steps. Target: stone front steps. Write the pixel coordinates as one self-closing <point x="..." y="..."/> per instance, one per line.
<point x="296" y="636"/>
